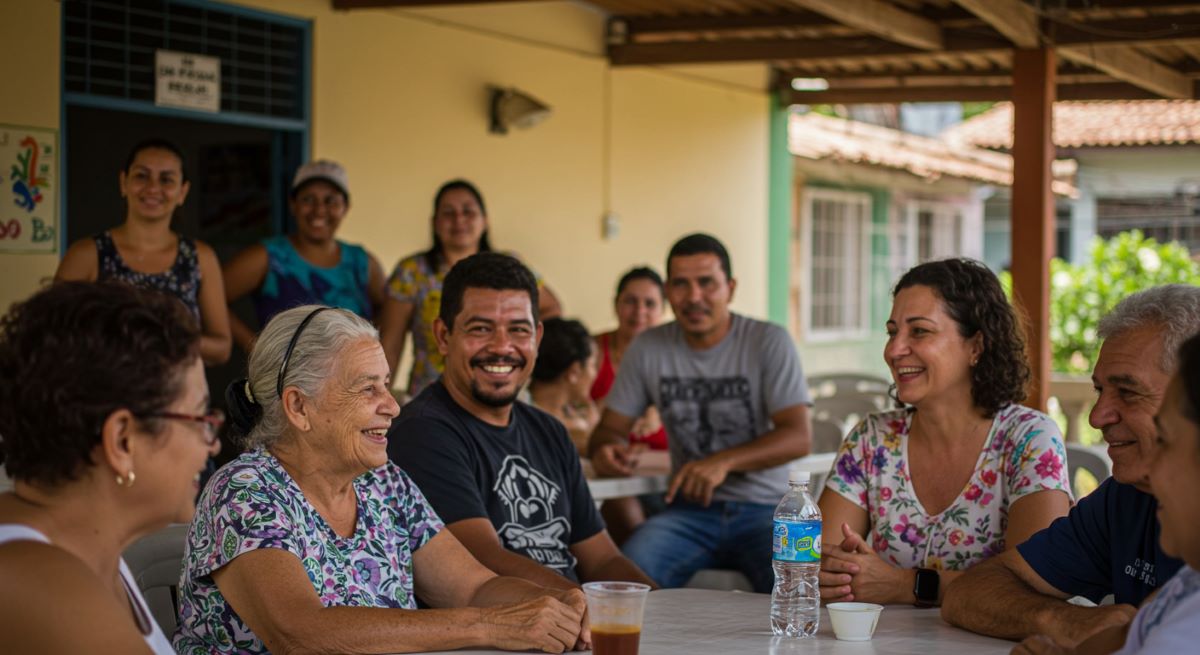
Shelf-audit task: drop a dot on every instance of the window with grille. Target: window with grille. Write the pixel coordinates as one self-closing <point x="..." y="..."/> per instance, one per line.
<point x="1163" y="218"/>
<point x="838" y="226"/>
<point x="109" y="46"/>
<point x="925" y="231"/>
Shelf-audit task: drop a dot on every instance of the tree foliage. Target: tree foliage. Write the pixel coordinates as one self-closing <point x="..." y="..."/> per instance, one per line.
<point x="1082" y="293"/>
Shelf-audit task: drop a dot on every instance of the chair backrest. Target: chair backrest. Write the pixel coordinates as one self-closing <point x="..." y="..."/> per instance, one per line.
<point x="826" y="436"/>
<point x="833" y="384"/>
<point x="847" y="409"/>
<point x="156" y="562"/>
<point x="1092" y="459"/>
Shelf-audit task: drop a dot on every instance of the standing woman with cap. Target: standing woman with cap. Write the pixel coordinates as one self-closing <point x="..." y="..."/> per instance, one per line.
<point x="308" y="266"/>
<point x="145" y="252"/>
<point x="414" y="290"/>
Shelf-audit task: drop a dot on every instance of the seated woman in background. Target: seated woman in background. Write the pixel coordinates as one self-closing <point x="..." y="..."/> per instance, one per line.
<point x="145" y="252"/>
<point x="563" y="376"/>
<point x="310" y="265"/>
<point x="105" y="428"/>
<point x="638" y="306"/>
<point x="313" y="540"/>
<point x="959" y="474"/>
<point x="1167" y="622"/>
<point x="414" y="290"/>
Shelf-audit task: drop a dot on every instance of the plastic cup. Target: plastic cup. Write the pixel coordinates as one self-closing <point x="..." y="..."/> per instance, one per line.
<point x="615" y="611"/>
<point x="854" y="621"/>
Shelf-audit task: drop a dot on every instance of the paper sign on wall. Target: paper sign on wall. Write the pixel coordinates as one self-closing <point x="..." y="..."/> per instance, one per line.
<point x="29" y="185"/>
<point x="186" y="80"/>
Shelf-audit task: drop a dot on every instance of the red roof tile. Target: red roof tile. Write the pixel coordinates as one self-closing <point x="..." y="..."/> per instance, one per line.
<point x="1105" y="123"/>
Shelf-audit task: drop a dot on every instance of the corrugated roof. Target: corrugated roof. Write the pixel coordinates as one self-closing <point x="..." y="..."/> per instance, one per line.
<point x="818" y="137"/>
<point x="1079" y="124"/>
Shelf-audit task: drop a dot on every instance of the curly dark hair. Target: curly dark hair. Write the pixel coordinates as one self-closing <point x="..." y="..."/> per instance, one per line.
<point x="74" y="353"/>
<point x="564" y="342"/>
<point x="485" y="270"/>
<point x="973" y="298"/>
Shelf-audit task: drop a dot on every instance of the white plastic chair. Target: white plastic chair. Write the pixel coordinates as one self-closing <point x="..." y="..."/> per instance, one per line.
<point x="847" y="409"/>
<point x="156" y="562"/>
<point x="826" y="436"/>
<point x="1092" y="459"/>
<point x="833" y="384"/>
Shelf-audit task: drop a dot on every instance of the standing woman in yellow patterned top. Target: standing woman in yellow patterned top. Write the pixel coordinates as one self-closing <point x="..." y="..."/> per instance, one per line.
<point x="414" y="290"/>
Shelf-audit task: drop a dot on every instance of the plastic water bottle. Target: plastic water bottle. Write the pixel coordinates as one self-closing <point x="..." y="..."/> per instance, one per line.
<point x="796" y="556"/>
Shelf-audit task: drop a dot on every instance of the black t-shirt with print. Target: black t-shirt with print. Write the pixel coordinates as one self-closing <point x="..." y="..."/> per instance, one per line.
<point x="525" y="478"/>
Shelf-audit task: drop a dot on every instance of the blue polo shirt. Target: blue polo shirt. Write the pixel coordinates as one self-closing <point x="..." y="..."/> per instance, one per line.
<point x="1107" y="544"/>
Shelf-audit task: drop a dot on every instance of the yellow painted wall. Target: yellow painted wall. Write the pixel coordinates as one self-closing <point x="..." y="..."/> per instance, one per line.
<point x="29" y="64"/>
<point x="400" y="97"/>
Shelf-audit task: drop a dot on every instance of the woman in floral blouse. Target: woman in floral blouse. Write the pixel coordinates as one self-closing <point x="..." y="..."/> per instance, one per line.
<point x="313" y="539"/>
<point x="962" y="472"/>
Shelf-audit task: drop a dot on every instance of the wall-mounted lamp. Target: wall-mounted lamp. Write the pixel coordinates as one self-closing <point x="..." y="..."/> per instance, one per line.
<point x="513" y="108"/>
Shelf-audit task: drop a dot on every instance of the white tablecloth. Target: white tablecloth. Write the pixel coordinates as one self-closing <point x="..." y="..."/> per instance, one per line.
<point x="706" y="622"/>
<point x="654" y="468"/>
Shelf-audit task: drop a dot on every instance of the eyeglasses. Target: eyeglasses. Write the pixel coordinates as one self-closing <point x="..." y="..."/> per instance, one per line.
<point x="212" y="421"/>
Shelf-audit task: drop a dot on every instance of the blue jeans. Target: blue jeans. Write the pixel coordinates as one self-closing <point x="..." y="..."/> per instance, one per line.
<point x="671" y="546"/>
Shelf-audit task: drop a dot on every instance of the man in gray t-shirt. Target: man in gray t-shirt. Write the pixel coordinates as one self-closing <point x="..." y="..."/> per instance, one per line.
<point x="735" y="406"/>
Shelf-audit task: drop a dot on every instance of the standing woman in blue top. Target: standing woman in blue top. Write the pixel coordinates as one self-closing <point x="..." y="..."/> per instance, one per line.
<point x="308" y="266"/>
<point x="145" y="252"/>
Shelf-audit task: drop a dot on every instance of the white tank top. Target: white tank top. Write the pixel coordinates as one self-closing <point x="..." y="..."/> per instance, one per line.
<point x="146" y="624"/>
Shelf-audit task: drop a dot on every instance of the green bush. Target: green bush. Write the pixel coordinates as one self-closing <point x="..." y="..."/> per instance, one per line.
<point x="1081" y="293"/>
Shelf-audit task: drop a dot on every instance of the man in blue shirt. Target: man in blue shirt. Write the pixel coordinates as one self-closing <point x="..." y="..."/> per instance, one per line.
<point x="1108" y="543"/>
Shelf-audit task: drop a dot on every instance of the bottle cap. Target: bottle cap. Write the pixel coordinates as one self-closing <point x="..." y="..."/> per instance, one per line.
<point x="797" y="476"/>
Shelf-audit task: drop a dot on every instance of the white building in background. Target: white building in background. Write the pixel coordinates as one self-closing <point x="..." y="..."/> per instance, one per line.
<point x="1138" y="167"/>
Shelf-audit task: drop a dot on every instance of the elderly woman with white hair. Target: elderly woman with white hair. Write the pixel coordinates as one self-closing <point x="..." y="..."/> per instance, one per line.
<point x="312" y="540"/>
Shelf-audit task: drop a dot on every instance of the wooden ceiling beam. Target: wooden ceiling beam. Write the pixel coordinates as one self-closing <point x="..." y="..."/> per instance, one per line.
<point x="1102" y="91"/>
<point x="1014" y="19"/>
<point x="376" y="4"/>
<point x="641" y="25"/>
<point x="734" y="50"/>
<point x="882" y="19"/>
<point x="1017" y="21"/>
<point x="1128" y="65"/>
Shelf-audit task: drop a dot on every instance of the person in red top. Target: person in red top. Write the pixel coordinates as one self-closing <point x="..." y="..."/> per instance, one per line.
<point x="638" y="305"/>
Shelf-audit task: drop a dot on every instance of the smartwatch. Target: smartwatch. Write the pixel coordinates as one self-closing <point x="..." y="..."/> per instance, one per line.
<point x="925" y="589"/>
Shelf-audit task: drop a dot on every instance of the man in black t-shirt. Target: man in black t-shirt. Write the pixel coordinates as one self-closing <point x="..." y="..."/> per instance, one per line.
<point x="503" y="476"/>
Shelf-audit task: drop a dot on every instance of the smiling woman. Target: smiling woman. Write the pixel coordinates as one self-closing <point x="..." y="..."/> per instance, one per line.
<point x="959" y="474"/>
<point x="313" y="538"/>
<point x="309" y="265"/>
<point x="105" y="424"/>
<point x="145" y="252"/>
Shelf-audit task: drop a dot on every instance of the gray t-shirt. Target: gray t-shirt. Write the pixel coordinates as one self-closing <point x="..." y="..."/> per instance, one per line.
<point x="711" y="400"/>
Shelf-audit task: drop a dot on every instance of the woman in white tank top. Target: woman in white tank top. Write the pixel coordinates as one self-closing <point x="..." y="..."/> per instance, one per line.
<point x="104" y="429"/>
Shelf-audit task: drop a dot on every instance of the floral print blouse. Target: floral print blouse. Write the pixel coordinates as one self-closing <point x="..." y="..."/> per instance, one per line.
<point x="1023" y="454"/>
<point x="253" y="503"/>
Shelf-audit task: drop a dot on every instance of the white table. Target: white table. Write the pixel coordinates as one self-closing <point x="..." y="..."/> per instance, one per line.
<point x="707" y="622"/>
<point x="654" y="471"/>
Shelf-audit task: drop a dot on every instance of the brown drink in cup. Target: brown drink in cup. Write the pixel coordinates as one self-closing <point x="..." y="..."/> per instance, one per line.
<point x="615" y="610"/>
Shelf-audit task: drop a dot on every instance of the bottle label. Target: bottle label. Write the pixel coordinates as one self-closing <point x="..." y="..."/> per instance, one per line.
<point x="797" y="541"/>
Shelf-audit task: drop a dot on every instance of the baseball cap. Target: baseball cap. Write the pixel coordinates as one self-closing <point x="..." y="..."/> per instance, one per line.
<point x="322" y="169"/>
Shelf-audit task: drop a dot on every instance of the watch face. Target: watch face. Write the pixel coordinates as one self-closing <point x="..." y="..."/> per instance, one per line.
<point x="926" y="589"/>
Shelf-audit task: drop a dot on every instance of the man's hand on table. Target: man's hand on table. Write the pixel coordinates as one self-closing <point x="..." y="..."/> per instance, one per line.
<point x="616" y="459"/>
<point x="697" y="480"/>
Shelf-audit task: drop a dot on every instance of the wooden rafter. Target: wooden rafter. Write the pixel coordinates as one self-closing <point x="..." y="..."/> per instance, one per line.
<point x="1012" y="18"/>
<point x="1128" y="65"/>
<point x="882" y="19"/>
<point x="370" y="4"/>
<point x="963" y="93"/>
<point x="1018" y="21"/>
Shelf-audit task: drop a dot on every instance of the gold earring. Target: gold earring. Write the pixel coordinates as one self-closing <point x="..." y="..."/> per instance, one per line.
<point x="123" y="481"/>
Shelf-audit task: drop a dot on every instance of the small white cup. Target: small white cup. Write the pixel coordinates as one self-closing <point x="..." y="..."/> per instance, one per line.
<point x="854" y="621"/>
